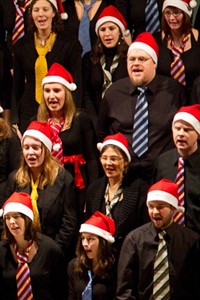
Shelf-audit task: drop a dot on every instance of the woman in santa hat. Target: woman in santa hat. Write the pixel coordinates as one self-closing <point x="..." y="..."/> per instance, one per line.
<point x="49" y="185"/>
<point x="45" y="44"/>
<point x="92" y="275"/>
<point x="73" y="128"/>
<point x="117" y="193"/>
<point x="179" y="44"/>
<point x="31" y="264"/>
<point x="106" y="62"/>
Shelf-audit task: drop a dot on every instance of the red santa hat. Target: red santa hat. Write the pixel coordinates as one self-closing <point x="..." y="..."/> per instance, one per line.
<point x="189" y="114"/>
<point x="118" y="140"/>
<point x="100" y="225"/>
<point x="59" y="7"/>
<point x="41" y="131"/>
<point x="58" y="74"/>
<point x="18" y="202"/>
<point x="166" y="191"/>
<point x="111" y="14"/>
<point x="185" y="5"/>
<point x="145" y="41"/>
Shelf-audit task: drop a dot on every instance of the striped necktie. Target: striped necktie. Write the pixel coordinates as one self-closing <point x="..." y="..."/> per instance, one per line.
<point x="152" y="16"/>
<point x="161" y="287"/>
<point x="18" y="30"/>
<point x="178" y="216"/>
<point x="56" y="140"/>
<point x="87" y="293"/>
<point x="23" y="279"/>
<point x="177" y="67"/>
<point x="140" y="126"/>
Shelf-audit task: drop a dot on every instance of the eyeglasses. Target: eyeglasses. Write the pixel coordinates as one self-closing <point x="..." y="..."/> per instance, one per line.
<point x="112" y="159"/>
<point x="175" y="14"/>
<point x="140" y="59"/>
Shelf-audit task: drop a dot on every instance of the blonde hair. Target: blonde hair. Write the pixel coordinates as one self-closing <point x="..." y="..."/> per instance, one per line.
<point x="69" y="109"/>
<point x="51" y="168"/>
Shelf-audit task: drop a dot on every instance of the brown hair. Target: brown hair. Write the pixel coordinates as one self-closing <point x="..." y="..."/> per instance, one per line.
<point x="106" y="258"/>
<point x="57" y="22"/>
<point x="30" y="233"/>
<point x="186" y="26"/>
<point x="98" y="50"/>
<point x="5" y="129"/>
<point x="69" y="109"/>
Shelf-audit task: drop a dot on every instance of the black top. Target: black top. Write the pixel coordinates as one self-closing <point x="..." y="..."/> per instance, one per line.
<point x="102" y="288"/>
<point x="135" y="268"/>
<point x="166" y="167"/>
<point x="165" y="96"/>
<point x="47" y="271"/>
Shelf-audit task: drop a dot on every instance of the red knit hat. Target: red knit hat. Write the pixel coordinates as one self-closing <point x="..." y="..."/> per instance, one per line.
<point x="100" y="225"/>
<point x="58" y="74"/>
<point x="41" y="131"/>
<point x="18" y="202"/>
<point x="165" y="190"/>
<point x="145" y="41"/>
<point x="59" y="7"/>
<point x="189" y="114"/>
<point x="185" y="5"/>
<point x="111" y="14"/>
<point x="118" y="140"/>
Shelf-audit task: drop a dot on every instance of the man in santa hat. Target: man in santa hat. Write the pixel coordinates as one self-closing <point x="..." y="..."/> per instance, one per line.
<point x="148" y="132"/>
<point x="186" y="133"/>
<point x="162" y="257"/>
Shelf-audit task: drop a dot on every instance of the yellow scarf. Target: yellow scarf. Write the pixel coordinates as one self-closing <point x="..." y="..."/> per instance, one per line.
<point x="34" y="198"/>
<point x="41" y="67"/>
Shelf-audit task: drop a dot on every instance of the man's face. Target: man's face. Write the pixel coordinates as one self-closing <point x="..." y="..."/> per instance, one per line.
<point x="185" y="138"/>
<point x="141" y="67"/>
<point x="161" y="213"/>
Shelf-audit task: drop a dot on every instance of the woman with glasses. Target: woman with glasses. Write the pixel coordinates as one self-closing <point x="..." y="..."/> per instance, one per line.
<point x="117" y="194"/>
<point x="179" y="44"/>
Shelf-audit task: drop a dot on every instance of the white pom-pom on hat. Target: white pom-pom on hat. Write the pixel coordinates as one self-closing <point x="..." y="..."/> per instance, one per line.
<point x="56" y="147"/>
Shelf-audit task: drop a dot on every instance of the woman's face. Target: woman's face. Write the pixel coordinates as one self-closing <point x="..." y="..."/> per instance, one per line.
<point x="109" y="34"/>
<point x="54" y="96"/>
<point x="113" y="163"/>
<point x="42" y="14"/>
<point x="174" y="17"/>
<point x="90" y="243"/>
<point x="15" y="223"/>
<point x="33" y="152"/>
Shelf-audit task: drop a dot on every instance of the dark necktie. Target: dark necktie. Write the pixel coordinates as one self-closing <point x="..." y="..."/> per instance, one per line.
<point x="152" y="16"/>
<point x="161" y="287"/>
<point x="87" y="293"/>
<point x="140" y="126"/>
<point x="178" y="216"/>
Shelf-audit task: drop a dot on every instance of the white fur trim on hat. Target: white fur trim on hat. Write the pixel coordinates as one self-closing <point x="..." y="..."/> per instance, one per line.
<point x="1" y="109"/>
<point x="61" y="80"/>
<point x="18" y="207"/>
<point x="189" y="119"/>
<point x="146" y="48"/>
<point x="116" y="143"/>
<point x="181" y="5"/>
<point x="158" y="195"/>
<point x="54" y="2"/>
<point x="98" y="231"/>
<point x="109" y="19"/>
<point x="40" y="136"/>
